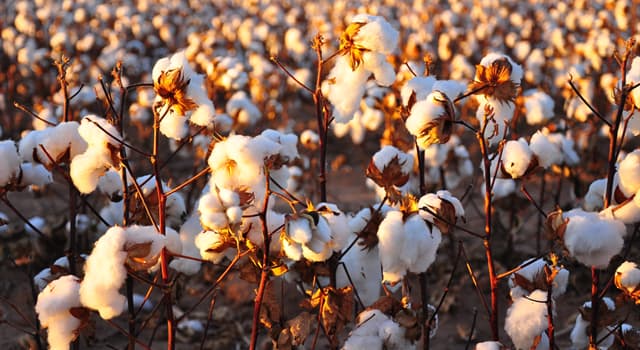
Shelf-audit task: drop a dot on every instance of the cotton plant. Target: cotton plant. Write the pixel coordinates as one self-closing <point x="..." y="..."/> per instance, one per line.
<point x="364" y="46"/>
<point x="121" y="248"/>
<point x="180" y="96"/>
<point x="496" y="82"/>
<point x="58" y="307"/>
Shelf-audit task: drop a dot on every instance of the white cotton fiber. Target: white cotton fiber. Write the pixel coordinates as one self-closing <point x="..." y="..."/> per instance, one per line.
<point x="527" y="319"/>
<point x="516" y="157"/>
<point x="10" y="162"/>
<point x="591" y="238"/>
<point x="53" y="306"/>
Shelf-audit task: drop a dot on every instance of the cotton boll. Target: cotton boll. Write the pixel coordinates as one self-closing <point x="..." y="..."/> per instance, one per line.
<point x="104" y="274"/>
<point x="363" y="266"/>
<point x="376" y="35"/>
<point x="299" y="229"/>
<point x="579" y="333"/>
<point x="628" y="277"/>
<point x="592" y="239"/>
<point x="382" y="70"/>
<point x="210" y="243"/>
<point x="111" y="185"/>
<point x="633" y="77"/>
<point x="347" y="90"/>
<point x="387" y="154"/>
<point x="629" y="173"/>
<point x="391" y="244"/>
<point x="539" y="107"/>
<point x="394" y="336"/>
<point x="502" y="188"/>
<point x="420" y="244"/>
<point x="188" y="233"/>
<point x="421" y="86"/>
<point x="52" y="307"/>
<point x="35" y="174"/>
<point x="527" y="319"/>
<point x="547" y="152"/>
<point x="95" y="136"/>
<point x="516" y="158"/>
<point x="11" y="162"/>
<point x="489" y="345"/>
<point x="516" y="69"/>
<point x="338" y="223"/>
<point x="174" y="125"/>
<point x="88" y="167"/>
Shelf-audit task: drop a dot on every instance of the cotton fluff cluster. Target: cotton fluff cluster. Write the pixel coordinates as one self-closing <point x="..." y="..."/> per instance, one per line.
<point x="605" y="336"/>
<point x="56" y="140"/>
<point x="503" y="76"/>
<point x="52" y="307"/>
<point x="527" y="319"/>
<point x="627" y="279"/>
<point x="445" y="205"/>
<point x="375" y="330"/>
<point x="44" y="277"/>
<point x="516" y="158"/>
<point x="100" y="155"/>
<point x="237" y="163"/>
<point x="452" y="157"/>
<point x="11" y="162"/>
<point x="406" y="244"/>
<point x="431" y="119"/>
<point x="188" y="233"/>
<point x="534" y="273"/>
<point x="180" y="96"/>
<point x="367" y="118"/>
<point x="553" y="149"/>
<point x="489" y="345"/>
<point x="539" y="106"/>
<point x="139" y="247"/>
<point x="592" y="239"/>
<point x="315" y="234"/>
<point x="366" y="43"/>
<point x="242" y="110"/>
<point x="627" y="186"/>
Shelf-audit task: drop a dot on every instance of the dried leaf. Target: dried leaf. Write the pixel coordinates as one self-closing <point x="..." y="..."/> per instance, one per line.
<point x="387" y="305"/>
<point x="270" y="312"/>
<point x="300" y="327"/>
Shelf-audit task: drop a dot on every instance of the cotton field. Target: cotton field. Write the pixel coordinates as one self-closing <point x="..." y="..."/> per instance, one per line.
<point x="319" y="175"/>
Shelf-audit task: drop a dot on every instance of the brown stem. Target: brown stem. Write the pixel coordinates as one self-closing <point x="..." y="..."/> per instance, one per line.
<point x="550" y="327"/>
<point x="264" y="273"/>
<point x="493" y="281"/>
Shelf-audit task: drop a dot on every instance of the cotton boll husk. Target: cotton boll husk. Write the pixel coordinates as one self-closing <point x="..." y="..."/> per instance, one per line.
<point x="422" y="86"/>
<point x="629" y="173"/>
<point x="526" y="319"/>
<point x="591" y="238"/>
<point x="104" y="274"/>
<point x="11" y="161"/>
<point x="87" y="168"/>
<point x="628" y="276"/>
<point x="516" y="69"/>
<point x="391" y="244"/>
<point x="547" y="152"/>
<point x="111" y="184"/>
<point x="516" y="157"/>
<point x="364" y="269"/>
<point x="188" y="233"/>
<point x="382" y="70"/>
<point x="53" y="306"/>
<point x="347" y="90"/>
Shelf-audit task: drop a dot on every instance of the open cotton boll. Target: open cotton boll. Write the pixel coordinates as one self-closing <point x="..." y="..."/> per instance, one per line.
<point x="527" y="319"/>
<point x="95" y="136"/>
<point x="394" y="336"/>
<point x="52" y="307"/>
<point x="502" y="187"/>
<point x="364" y="269"/>
<point x="10" y="162"/>
<point x="188" y="233"/>
<point x="87" y="168"/>
<point x="173" y="125"/>
<point x="547" y="152"/>
<point x="421" y="86"/>
<point x="489" y="345"/>
<point x="212" y="246"/>
<point x="516" y="158"/>
<point x="338" y="223"/>
<point x="539" y="107"/>
<point x="376" y="35"/>
<point x="580" y="331"/>
<point x="451" y="88"/>
<point x="422" y="241"/>
<point x="534" y="270"/>
<point x="288" y="143"/>
<point x="594" y="199"/>
<point x="633" y="77"/>
<point x="382" y="70"/>
<point x="628" y="277"/>
<point x="627" y="212"/>
<point x="516" y="69"/>
<point x="347" y="89"/>
<point x="387" y="154"/>
<point x="242" y="109"/>
<point x="391" y="244"/>
<point x="591" y="238"/>
<point x="629" y="173"/>
<point x="111" y="184"/>
<point x="35" y="174"/>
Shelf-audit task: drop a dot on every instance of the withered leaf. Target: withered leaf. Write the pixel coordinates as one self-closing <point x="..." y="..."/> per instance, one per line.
<point x="388" y="305"/>
<point x="80" y="313"/>
<point x="270" y="312"/>
<point x="300" y="327"/>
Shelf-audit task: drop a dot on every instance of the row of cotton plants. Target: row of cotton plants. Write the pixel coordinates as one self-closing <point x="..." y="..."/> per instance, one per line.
<point x="451" y="153"/>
